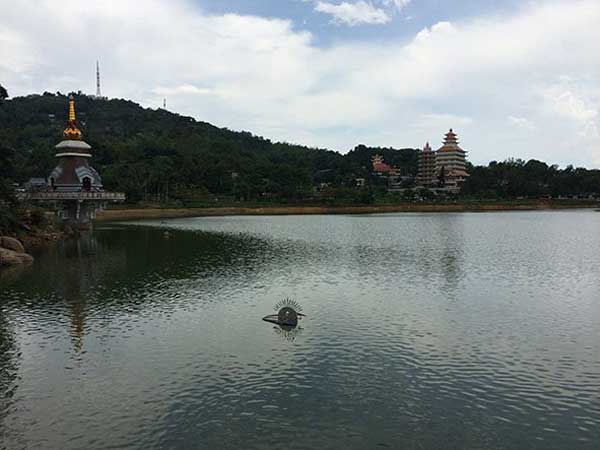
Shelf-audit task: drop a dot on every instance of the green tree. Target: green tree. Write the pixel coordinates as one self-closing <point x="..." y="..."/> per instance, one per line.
<point x="7" y="217"/>
<point x="3" y="93"/>
<point x="442" y="177"/>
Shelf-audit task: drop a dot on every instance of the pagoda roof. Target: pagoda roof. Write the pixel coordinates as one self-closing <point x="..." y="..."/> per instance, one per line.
<point x="70" y="172"/>
<point x="451" y="134"/>
<point x="382" y="167"/>
<point x="458" y="173"/>
<point x="450" y="148"/>
<point x="69" y="143"/>
<point x="450" y="143"/>
<point x="73" y="148"/>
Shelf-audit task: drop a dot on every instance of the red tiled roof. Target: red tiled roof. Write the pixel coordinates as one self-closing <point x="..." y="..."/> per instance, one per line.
<point x="382" y="167"/>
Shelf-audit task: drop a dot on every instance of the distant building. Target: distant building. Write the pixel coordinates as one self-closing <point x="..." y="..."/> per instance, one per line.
<point x="73" y="172"/>
<point x="451" y="163"/>
<point x="74" y="187"/>
<point x="36" y="184"/>
<point x="427" y="176"/>
<point x="443" y="169"/>
<point x="381" y="168"/>
<point x="399" y="183"/>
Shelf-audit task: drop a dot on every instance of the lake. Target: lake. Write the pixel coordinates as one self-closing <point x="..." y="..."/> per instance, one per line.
<point x="422" y="331"/>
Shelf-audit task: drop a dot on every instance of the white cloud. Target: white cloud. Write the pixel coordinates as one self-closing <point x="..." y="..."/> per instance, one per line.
<point x="438" y="123"/>
<point x="22" y="55"/>
<point x="569" y="105"/>
<point x="361" y="11"/>
<point x="574" y="102"/>
<point x="399" y="4"/>
<point x="186" y="89"/>
<point x="352" y="14"/>
<point x="521" y="123"/>
<point x="267" y="76"/>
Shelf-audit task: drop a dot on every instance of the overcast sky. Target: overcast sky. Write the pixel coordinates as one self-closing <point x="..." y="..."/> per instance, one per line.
<point x="513" y="78"/>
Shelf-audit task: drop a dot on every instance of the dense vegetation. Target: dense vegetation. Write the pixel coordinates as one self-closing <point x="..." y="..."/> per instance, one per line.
<point x="8" y="219"/>
<point x="532" y="179"/>
<point x="155" y="155"/>
<point x="158" y="156"/>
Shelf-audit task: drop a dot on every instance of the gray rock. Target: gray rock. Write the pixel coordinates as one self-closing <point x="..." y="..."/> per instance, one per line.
<point x="12" y="244"/>
<point x="11" y="258"/>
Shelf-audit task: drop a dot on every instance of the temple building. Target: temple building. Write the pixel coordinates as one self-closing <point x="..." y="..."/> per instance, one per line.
<point x="451" y="163"/>
<point x="74" y="188"/>
<point x="381" y="168"/>
<point x="427" y="175"/>
<point x="444" y="169"/>
<point x="73" y="172"/>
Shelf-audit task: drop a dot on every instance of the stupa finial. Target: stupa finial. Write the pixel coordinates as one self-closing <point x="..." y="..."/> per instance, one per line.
<point x="72" y="132"/>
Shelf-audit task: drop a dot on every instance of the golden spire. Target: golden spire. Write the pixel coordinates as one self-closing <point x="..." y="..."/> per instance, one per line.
<point x="72" y="132"/>
<point x="71" y="108"/>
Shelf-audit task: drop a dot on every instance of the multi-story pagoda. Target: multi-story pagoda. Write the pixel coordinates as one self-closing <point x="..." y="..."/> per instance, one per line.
<point x="451" y="163"/>
<point x="74" y="187"/>
<point x="427" y="176"/>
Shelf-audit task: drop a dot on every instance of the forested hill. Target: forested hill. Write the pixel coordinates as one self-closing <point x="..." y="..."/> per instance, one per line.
<point x="155" y="153"/>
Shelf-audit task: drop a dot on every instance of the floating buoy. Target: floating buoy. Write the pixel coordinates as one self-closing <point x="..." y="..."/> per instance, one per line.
<point x="287" y="316"/>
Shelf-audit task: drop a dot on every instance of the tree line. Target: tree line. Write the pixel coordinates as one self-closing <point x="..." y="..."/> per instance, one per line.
<point x="158" y="156"/>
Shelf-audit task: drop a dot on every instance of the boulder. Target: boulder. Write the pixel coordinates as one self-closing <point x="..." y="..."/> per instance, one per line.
<point x="11" y="258"/>
<point x="12" y="244"/>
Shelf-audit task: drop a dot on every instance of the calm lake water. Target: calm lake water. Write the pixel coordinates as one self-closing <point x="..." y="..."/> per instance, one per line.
<point x="423" y="331"/>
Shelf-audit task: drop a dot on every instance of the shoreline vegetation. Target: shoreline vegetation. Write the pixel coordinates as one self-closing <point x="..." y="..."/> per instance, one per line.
<point x="139" y="213"/>
<point x="22" y="231"/>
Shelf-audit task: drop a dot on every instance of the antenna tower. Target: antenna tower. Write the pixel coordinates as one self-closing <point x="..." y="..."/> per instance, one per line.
<point x="98" y="92"/>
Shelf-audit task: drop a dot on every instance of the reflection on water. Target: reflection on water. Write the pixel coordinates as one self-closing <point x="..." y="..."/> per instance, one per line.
<point x="425" y="331"/>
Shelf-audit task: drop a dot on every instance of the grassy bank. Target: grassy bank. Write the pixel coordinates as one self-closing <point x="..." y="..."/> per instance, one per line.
<point x="163" y="213"/>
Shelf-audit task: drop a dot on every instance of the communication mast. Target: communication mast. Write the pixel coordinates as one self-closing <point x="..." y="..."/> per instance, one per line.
<point x="98" y="92"/>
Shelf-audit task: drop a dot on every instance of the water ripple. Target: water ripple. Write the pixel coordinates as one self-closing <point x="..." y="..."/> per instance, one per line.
<point x="424" y="331"/>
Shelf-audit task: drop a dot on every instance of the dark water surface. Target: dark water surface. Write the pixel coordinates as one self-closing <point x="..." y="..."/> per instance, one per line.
<point x="423" y="331"/>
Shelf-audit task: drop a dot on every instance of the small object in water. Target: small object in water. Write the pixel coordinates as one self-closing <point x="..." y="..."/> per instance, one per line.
<point x="287" y="316"/>
<point x="166" y="235"/>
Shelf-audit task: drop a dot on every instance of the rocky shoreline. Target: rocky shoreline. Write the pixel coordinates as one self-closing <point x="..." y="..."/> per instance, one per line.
<point x="16" y="251"/>
<point x="12" y="253"/>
